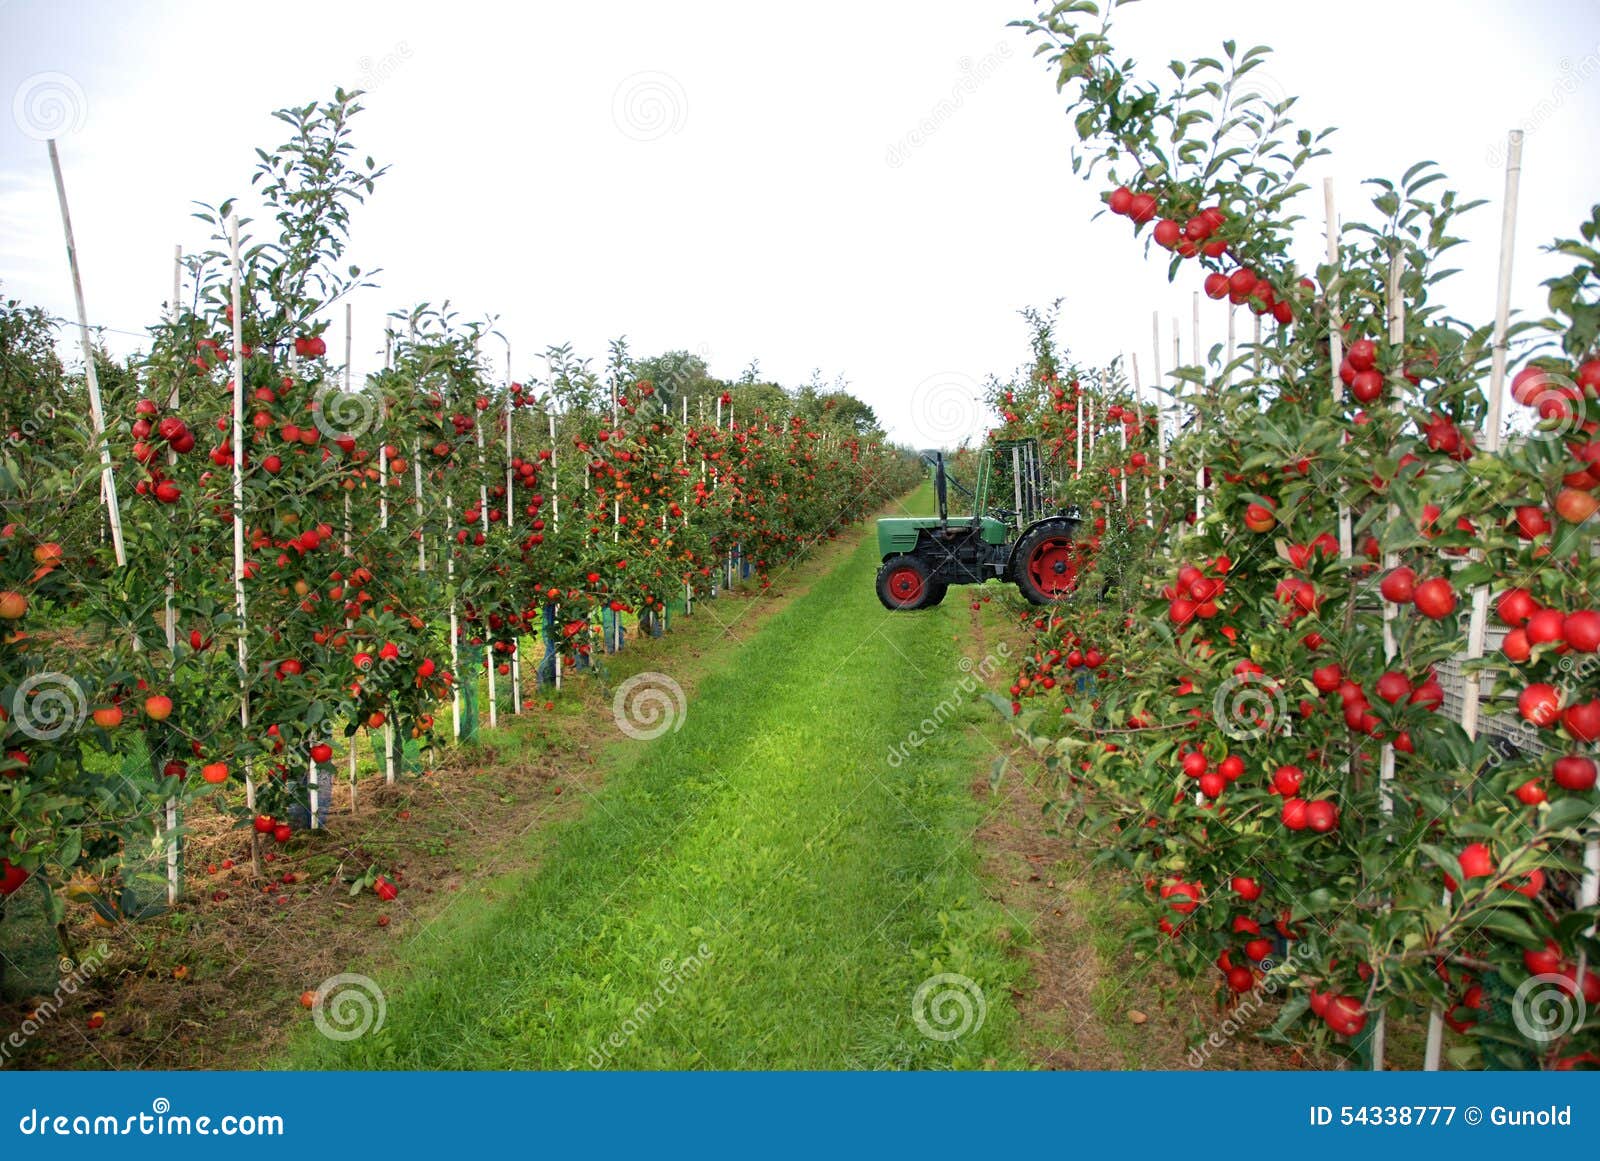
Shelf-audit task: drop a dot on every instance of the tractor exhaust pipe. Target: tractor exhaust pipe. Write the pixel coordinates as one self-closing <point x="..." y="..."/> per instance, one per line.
<point x="939" y="489"/>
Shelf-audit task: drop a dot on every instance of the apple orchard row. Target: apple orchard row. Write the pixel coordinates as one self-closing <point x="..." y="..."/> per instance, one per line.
<point x="306" y="558"/>
<point x="1283" y="577"/>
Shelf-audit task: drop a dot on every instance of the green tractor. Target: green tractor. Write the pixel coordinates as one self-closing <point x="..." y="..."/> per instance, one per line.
<point x="1024" y="544"/>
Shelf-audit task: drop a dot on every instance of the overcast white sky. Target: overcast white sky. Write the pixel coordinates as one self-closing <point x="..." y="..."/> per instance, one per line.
<point x="739" y="178"/>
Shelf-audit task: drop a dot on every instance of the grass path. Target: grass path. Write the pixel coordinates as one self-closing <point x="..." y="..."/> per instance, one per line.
<point x="762" y="888"/>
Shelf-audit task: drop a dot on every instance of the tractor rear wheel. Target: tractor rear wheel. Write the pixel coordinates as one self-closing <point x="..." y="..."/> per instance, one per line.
<point x="905" y="582"/>
<point x="1046" y="564"/>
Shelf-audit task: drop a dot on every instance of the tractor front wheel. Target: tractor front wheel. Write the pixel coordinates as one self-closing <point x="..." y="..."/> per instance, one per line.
<point x="905" y="582"/>
<point x="1046" y="568"/>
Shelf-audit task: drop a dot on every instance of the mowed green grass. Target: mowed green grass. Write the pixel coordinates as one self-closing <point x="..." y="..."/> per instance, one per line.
<point x="760" y="889"/>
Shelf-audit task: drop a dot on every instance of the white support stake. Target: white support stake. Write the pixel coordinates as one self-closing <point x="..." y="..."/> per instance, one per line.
<point x="1478" y="624"/>
<point x="483" y="513"/>
<point x="1077" y="462"/>
<point x="455" y="625"/>
<point x="511" y="512"/>
<point x="1336" y="343"/>
<point x="97" y="419"/>
<point x="555" y="479"/>
<point x="1386" y="763"/>
<point x="239" y="605"/>
<point x="1155" y="382"/>
<point x="174" y="874"/>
